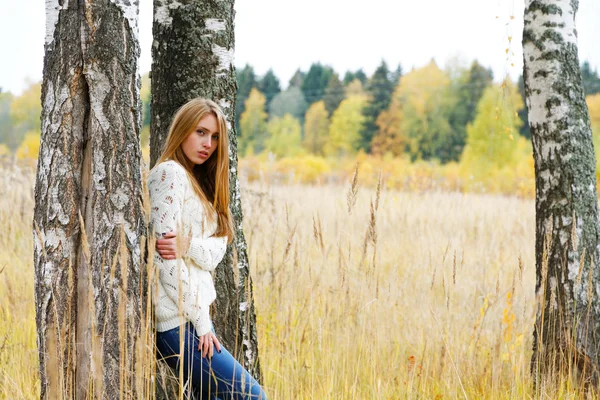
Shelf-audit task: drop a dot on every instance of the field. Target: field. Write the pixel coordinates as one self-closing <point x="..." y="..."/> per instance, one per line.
<point x="359" y="295"/>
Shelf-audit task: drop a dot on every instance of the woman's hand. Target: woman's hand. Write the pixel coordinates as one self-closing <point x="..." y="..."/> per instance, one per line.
<point x="207" y="343"/>
<point x="168" y="248"/>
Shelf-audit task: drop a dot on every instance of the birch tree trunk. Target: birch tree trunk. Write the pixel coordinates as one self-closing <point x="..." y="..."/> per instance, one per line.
<point x="193" y="57"/>
<point x="88" y="221"/>
<point x="567" y="230"/>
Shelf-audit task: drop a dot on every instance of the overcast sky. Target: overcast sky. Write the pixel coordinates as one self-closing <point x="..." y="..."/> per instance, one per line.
<point x="346" y="34"/>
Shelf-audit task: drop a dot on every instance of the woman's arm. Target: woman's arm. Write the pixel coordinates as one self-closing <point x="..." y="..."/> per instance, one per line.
<point x="166" y="185"/>
<point x="204" y="252"/>
<point x="207" y="252"/>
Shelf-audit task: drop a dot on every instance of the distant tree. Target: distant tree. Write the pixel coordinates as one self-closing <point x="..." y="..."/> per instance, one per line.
<point x="145" y="96"/>
<point x="479" y="78"/>
<point x="491" y="137"/>
<point x="246" y="80"/>
<point x="6" y="127"/>
<point x="350" y="76"/>
<point x="334" y="93"/>
<point x="315" y="82"/>
<point x="316" y="128"/>
<point x="355" y="88"/>
<point x="593" y="103"/>
<point x="253" y="124"/>
<point x="25" y="113"/>
<point x="290" y="101"/>
<point x="523" y="113"/>
<point x="285" y="136"/>
<point x="391" y="135"/>
<point x="591" y="80"/>
<point x="297" y="79"/>
<point x="395" y="75"/>
<point x="462" y="100"/>
<point x="379" y="89"/>
<point x="346" y="124"/>
<point x="425" y="96"/>
<point x="30" y="146"/>
<point x="269" y="85"/>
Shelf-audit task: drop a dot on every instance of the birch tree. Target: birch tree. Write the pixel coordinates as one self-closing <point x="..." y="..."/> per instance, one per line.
<point x="192" y="57"/>
<point x="567" y="234"/>
<point x="88" y="220"/>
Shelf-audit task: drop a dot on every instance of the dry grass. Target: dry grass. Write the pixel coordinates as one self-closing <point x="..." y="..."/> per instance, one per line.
<point x="360" y="294"/>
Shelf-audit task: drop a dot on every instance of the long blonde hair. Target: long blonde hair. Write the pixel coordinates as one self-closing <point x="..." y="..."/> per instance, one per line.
<point x="210" y="180"/>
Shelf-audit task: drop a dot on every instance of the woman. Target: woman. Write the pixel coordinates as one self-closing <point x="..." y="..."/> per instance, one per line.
<point x="189" y="192"/>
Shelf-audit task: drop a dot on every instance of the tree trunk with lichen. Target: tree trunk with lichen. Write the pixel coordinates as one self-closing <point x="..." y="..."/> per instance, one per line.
<point x="89" y="224"/>
<point x="567" y="326"/>
<point x="193" y="57"/>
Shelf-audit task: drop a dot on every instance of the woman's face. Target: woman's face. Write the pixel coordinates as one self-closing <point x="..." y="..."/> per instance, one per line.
<point x="199" y="145"/>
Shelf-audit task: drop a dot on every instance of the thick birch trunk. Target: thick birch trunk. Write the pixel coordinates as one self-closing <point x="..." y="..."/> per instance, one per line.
<point x="567" y="230"/>
<point x="88" y="222"/>
<point x="193" y="56"/>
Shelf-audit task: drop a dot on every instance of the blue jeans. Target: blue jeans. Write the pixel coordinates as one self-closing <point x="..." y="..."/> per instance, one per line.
<point x="221" y="377"/>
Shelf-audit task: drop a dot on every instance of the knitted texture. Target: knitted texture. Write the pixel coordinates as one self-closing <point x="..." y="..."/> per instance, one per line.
<point x="185" y="285"/>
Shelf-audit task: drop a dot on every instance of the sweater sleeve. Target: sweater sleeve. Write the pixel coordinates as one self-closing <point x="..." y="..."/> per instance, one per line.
<point x="207" y="253"/>
<point x="166" y="185"/>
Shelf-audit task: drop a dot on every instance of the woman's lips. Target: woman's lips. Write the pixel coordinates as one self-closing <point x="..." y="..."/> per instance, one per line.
<point x="203" y="154"/>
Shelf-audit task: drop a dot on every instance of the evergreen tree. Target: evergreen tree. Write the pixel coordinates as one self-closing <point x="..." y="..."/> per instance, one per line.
<point x="315" y="82"/>
<point x="465" y="92"/>
<point x="297" y="79"/>
<point x="379" y="88"/>
<point x="350" y="76"/>
<point x="269" y="85"/>
<point x="396" y="75"/>
<point x="591" y="80"/>
<point x="246" y="80"/>
<point x="334" y="93"/>
<point x="523" y="114"/>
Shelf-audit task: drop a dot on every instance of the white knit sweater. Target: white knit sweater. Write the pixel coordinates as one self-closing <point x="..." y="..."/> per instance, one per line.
<point x="185" y="285"/>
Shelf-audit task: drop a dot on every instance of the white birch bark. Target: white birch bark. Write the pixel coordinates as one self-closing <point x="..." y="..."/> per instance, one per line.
<point x="567" y="230"/>
<point x="88" y="221"/>
<point x="192" y="53"/>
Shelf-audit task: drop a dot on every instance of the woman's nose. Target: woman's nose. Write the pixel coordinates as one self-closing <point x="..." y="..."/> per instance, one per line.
<point x="207" y="143"/>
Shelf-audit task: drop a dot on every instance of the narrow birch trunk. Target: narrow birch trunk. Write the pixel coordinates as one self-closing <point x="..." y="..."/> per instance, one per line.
<point x="89" y="224"/>
<point x="193" y="56"/>
<point x="567" y="230"/>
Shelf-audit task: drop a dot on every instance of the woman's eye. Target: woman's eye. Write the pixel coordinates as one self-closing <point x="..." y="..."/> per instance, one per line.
<point x="200" y="132"/>
<point x="215" y="137"/>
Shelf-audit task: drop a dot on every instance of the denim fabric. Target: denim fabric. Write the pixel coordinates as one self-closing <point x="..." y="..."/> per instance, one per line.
<point x="221" y="377"/>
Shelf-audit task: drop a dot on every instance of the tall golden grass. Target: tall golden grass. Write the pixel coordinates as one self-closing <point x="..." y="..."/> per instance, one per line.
<point x="360" y="293"/>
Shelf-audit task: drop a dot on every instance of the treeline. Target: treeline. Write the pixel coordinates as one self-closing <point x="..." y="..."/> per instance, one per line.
<point x="428" y="113"/>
